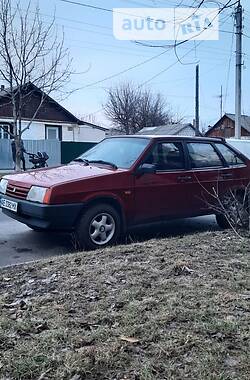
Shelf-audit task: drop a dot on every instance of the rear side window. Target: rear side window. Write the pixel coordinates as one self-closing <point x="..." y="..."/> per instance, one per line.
<point x="203" y="155"/>
<point x="167" y="156"/>
<point x="230" y="156"/>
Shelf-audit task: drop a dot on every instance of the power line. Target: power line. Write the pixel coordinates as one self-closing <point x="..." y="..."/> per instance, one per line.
<point x="112" y="11"/>
<point x="191" y="38"/>
<point x="169" y="67"/>
<point x="123" y="71"/>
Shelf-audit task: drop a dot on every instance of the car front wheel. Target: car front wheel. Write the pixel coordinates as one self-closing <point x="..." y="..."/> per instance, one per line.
<point x="98" y="227"/>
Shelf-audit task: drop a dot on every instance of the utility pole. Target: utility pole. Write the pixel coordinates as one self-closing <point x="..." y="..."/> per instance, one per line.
<point x="197" y="101"/>
<point x="221" y="102"/>
<point x="238" y="77"/>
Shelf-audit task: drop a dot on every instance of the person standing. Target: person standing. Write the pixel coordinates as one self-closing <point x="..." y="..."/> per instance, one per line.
<point x="14" y="152"/>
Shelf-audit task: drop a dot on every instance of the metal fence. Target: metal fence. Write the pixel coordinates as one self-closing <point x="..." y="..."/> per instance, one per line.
<point x="51" y="147"/>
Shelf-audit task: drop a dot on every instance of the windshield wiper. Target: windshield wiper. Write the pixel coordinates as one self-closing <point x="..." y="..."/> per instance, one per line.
<point x="103" y="162"/>
<point x="83" y="160"/>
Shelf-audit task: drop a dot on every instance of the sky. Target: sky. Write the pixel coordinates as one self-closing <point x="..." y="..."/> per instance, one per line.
<point x="97" y="55"/>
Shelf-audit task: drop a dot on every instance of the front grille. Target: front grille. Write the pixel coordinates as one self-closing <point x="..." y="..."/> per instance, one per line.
<point x="17" y="191"/>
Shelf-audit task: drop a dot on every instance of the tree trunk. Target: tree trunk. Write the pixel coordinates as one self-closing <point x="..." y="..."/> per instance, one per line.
<point x="18" y="155"/>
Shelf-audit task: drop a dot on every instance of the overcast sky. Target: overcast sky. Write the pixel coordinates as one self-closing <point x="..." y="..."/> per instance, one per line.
<point x="89" y="36"/>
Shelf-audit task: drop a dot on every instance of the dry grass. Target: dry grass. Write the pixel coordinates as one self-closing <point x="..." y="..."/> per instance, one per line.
<point x="184" y="301"/>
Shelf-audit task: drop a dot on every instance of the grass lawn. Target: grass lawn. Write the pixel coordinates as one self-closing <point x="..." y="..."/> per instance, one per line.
<point x="175" y="308"/>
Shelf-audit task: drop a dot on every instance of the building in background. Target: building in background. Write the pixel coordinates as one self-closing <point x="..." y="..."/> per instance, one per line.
<point x="225" y="127"/>
<point x="52" y="121"/>
<point x="169" y="129"/>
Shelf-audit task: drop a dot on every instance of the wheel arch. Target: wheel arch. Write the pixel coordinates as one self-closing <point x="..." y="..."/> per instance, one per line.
<point x="111" y="201"/>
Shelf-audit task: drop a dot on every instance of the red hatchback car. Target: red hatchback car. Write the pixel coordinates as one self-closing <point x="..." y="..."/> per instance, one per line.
<point x="126" y="181"/>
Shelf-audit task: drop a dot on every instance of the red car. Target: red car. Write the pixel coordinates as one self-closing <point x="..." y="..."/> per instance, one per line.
<point x="126" y="181"/>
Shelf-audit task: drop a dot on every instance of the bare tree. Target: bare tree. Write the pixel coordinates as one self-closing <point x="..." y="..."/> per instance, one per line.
<point x="30" y="52"/>
<point x="88" y="118"/>
<point x="232" y="209"/>
<point x="130" y="108"/>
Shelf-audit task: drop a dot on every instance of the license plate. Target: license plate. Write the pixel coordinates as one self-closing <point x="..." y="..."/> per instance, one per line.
<point x="9" y="205"/>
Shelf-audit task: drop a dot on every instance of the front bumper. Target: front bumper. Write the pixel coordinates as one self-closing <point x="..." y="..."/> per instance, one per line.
<point x="61" y="217"/>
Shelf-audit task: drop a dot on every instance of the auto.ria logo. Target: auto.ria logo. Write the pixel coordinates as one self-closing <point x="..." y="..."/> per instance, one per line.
<point x="175" y="24"/>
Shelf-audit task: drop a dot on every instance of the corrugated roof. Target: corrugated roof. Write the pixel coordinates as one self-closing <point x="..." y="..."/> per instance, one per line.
<point x="168" y="129"/>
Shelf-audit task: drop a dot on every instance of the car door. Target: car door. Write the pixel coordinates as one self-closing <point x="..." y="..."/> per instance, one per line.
<point x="235" y="174"/>
<point x="164" y="193"/>
<point x="206" y="168"/>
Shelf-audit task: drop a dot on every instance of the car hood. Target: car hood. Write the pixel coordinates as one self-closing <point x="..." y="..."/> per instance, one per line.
<point x="59" y="175"/>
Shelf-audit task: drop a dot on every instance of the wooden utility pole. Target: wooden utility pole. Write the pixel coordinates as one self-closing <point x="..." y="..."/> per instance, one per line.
<point x="197" y="101"/>
<point x="238" y="77"/>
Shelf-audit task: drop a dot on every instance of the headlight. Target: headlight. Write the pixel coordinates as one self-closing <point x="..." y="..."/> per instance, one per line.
<point x="3" y="185"/>
<point x="36" y="194"/>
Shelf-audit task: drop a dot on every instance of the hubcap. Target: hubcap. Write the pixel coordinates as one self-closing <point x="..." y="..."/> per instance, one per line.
<point x="102" y="229"/>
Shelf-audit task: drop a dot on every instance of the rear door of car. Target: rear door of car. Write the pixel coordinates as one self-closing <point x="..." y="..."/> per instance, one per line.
<point x="207" y="170"/>
<point x="236" y="173"/>
<point x="165" y="193"/>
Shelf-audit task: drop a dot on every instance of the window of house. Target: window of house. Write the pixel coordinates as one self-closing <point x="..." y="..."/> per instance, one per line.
<point x="4" y="129"/>
<point x="230" y="156"/>
<point x="53" y="132"/>
<point x="167" y="156"/>
<point x="203" y="155"/>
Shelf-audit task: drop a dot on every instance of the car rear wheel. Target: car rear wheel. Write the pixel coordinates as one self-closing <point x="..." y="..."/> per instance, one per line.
<point x="99" y="226"/>
<point x="235" y="205"/>
<point x="222" y="222"/>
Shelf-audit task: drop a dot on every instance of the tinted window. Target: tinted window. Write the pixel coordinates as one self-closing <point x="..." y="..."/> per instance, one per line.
<point x="167" y="156"/>
<point x="230" y="156"/>
<point x="203" y="155"/>
<point x="121" y="151"/>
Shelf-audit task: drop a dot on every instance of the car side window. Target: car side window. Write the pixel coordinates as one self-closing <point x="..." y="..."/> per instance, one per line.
<point x="203" y="155"/>
<point x="167" y="156"/>
<point x="229" y="155"/>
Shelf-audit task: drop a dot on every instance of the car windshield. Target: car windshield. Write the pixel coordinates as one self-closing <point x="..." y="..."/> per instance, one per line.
<point x="120" y="152"/>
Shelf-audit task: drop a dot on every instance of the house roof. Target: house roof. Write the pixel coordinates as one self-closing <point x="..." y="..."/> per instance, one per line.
<point x="6" y="92"/>
<point x="245" y="121"/>
<point x="168" y="129"/>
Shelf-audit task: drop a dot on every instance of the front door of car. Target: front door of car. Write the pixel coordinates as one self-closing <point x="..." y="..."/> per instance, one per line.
<point x="164" y="193"/>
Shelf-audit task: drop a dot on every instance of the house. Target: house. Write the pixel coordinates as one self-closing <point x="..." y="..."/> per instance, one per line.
<point x="225" y="127"/>
<point x="177" y="129"/>
<point x="52" y="121"/>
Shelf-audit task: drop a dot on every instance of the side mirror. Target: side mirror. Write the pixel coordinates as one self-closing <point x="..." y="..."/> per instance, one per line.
<point x="146" y="169"/>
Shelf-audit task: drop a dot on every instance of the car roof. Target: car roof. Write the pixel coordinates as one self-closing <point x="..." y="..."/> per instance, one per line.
<point x="171" y="137"/>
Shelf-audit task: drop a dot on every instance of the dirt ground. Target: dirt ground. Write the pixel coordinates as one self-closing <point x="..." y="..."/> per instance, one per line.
<point x="176" y="308"/>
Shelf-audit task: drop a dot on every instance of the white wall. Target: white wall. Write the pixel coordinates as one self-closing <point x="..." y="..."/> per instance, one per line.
<point x="87" y="133"/>
<point x="36" y="131"/>
<point x="242" y="145"/>
<point x="83" y="133"/>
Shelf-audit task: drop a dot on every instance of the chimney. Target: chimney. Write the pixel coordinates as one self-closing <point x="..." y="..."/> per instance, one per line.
<point x="2" y="87"/>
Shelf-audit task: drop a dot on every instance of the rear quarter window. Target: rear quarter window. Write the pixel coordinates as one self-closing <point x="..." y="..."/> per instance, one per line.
<point x="203" y="155"/>
<point x="231" y="157"/>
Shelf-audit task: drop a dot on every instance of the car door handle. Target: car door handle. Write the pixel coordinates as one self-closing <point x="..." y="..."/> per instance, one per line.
<point x="227" y="175"/>
<point x="186" y="178"/>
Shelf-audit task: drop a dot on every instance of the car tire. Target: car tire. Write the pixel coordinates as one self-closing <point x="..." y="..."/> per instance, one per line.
<point x="222" y="222"/>
<point x="98" y="227"/>
<point x="236" y="208"/>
